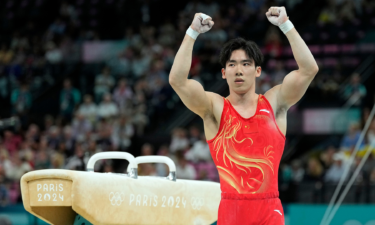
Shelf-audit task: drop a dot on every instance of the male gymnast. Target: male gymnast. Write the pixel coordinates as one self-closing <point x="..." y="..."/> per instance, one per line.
<point x="245" y="131"/>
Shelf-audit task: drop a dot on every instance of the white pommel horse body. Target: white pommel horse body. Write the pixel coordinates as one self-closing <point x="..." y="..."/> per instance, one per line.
<point x="57" y="196"/>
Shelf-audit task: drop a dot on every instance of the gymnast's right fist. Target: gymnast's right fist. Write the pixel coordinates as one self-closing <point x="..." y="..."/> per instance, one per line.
<point x="202" y="23"/>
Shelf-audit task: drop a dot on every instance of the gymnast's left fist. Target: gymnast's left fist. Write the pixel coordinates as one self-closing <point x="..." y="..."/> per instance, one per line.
<point x="277" y="15"/>
<point x="202" y="23"/>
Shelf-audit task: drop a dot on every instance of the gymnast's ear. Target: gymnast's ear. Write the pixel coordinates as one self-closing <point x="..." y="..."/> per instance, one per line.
<point x="258" y="71"/>
<point x="223" y="73"/>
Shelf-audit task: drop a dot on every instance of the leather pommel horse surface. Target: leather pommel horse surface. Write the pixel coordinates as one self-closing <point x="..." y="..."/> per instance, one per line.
<point x="57" y="196"/>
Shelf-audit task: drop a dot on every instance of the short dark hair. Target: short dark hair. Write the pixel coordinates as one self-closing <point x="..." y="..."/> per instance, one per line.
<point x="252" y="50"/>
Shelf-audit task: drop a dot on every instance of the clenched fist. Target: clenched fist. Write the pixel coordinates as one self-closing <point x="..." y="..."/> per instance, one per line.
<point x="277" y="15"/>
<point x="202" y="23"/>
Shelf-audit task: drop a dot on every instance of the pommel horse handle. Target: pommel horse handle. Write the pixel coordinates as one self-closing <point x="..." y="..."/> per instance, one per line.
<point x="159" y="159"/>
<point x="132" y="168"/>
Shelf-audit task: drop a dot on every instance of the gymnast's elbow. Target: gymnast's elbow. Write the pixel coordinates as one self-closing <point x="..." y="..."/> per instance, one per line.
<point x="315" y="69"/>
<point x="310" y="71"/>
<point x="176" y="80"/>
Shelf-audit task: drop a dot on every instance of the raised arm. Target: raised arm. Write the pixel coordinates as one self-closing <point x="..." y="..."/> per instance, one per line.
<point x="190" y="91"/>
<point x="296" y="82"/>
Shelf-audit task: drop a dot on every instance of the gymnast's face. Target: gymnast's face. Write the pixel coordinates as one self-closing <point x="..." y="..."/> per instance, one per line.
<point x="240" y="72"/>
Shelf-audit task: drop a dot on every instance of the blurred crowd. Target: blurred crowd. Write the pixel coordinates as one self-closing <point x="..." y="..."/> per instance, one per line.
<point x="71" y="148"/>
<point x="326" y="165"/>
<point x="103" y="107"/>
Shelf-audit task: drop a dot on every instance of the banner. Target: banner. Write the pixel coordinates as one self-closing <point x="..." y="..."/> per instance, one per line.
<point x="98" y="51"/>
<point x="328" y="121"/>
<point x="346" y="214"/>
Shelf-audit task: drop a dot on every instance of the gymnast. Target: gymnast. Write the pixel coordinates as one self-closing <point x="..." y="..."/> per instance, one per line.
<point x="245" y="131"/>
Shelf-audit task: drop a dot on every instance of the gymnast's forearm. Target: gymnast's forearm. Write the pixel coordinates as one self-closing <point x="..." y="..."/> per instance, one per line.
<point x="305" y="60"/>
<point x="182" y="62"/>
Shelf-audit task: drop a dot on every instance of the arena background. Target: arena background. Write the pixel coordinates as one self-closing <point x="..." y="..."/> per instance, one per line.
<point x="85" y="76"/>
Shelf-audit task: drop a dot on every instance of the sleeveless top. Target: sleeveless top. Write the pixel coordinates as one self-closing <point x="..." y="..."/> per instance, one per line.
<point x="247" y="152"/>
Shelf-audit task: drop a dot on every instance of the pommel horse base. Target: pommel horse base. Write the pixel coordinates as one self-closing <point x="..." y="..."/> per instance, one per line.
<point x="57" y="196"/>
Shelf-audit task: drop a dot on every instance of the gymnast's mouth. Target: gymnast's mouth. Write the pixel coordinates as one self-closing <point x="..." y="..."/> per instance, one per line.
<point x="239" y="81"/>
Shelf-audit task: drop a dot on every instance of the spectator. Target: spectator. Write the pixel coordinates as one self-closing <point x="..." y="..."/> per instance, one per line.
<point x="203" y="175"/>
<point x="103" y="83"/>
<point x="43" y="146"/>
<point x="6" y="54"/>
<point x="157" y="74"/>
<point x="273" y="43"/>
<point x="88" y="109"/>
<point x="80" y="127"/>
<point x="297" y="171"/>
<point x="160" y="95"/>
<point x="69" y="139"/>
<point x="347" y="11"/>
<point x="122" y="134"/>
<point x="329" y="14"/>
<point x="21" y="100"/>
<point x="57" y="27"/>
<point x="140" y="64"/>
<point x="42" y="160"/>
<point x="146" y="169"/>
<point x="351" y="138"/>
<point x="194" y="135"/>
<point x="62" y="150"/>
<point x="185" y="170"/>
<point x="120" y="65"/>
<point x="53" y="54"/>
<point x="255" y="5"/>
<point x="108" y="168"/>
<point x="104" y="140"/>
<point x="162" y="168"/>
<point x="209" y="7"/>
<point x="19" y="41"/>
<point x="355" y="91"/>
<point x="279" y="73"/>
<point x="48" y="123"/>
<point x="68" y="11"/>
<point x="200" y="151"/>
<point x="32" y="136"/>
<point x="179" y="140"/>
<point x="336" y="171"/>
<point x="147" y="149"/>
<point x="92" y="149"/>
<point x="140" y="119"/>
<point x="327" y="157"/>
<point x="18" y="168"/>
<point x="4" y="193"/>
<point x="26" y="153"/>
<point x="11" y="142"/>
<point x="69" y="100"/>
<point x="53" y="137"/>
<point x="58" y="157"/>
<point x="122" y="96"/>
<point x="314" y="170"/>
<point x="76" y="162"/>
<point x="5" y="162"/>
<point x="107" y="108"/>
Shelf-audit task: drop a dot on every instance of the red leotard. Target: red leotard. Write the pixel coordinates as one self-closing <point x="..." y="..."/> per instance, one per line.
<point x="247" y="154"/>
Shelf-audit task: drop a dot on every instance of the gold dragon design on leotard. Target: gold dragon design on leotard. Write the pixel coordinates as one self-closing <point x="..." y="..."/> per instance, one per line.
<point x="227" y="139"/>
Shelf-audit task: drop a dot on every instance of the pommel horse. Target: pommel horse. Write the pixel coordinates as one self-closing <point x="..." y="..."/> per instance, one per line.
<point x="57" y="196"/>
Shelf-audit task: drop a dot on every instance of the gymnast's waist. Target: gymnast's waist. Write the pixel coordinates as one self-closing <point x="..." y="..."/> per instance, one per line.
<point x="256" y="196"/>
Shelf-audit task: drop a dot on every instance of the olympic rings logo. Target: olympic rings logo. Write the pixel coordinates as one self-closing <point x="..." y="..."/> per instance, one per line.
<point x="197" y="203"/>
<point x="116" y="198"/>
